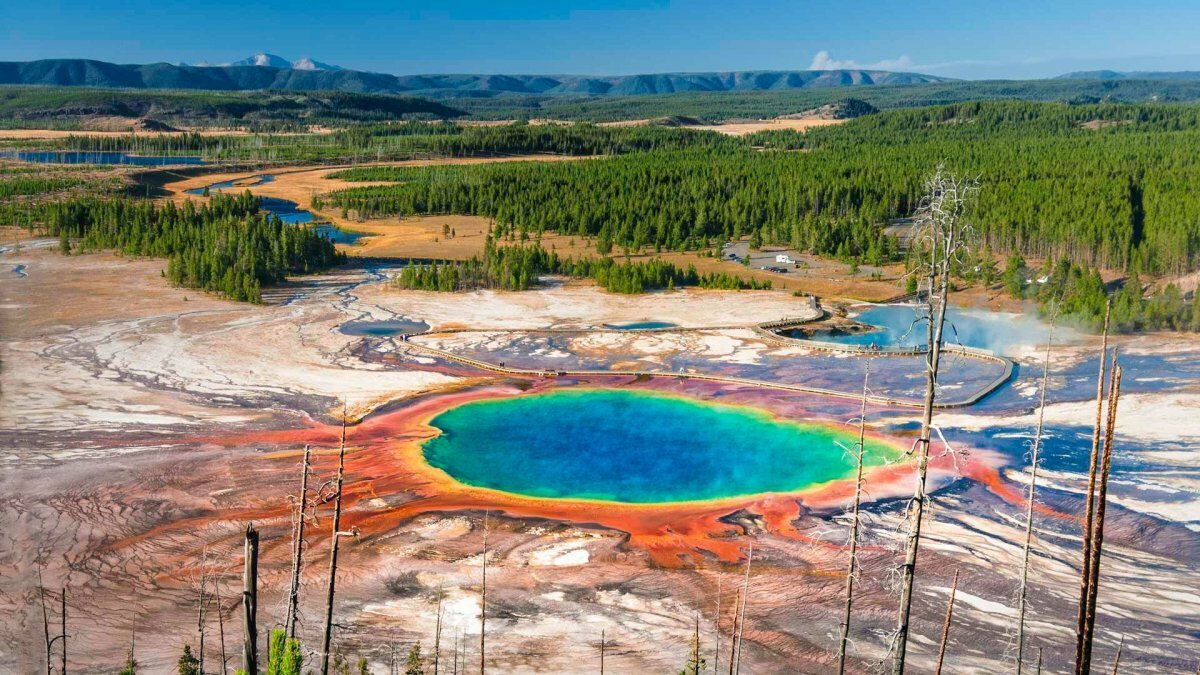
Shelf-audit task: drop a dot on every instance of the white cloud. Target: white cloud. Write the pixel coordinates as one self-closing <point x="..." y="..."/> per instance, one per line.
<point x="823" y="61"/>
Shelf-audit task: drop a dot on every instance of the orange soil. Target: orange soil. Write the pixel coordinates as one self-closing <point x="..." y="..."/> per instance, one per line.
<point x="672" y="534"/>
<point x="92" y="288"/>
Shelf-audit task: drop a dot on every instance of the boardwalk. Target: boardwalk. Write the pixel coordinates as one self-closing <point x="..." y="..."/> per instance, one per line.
<point x="765" y="330"/>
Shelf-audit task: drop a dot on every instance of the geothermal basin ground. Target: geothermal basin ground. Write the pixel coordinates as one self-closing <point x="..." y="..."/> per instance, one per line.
<point x="142" y="432"/>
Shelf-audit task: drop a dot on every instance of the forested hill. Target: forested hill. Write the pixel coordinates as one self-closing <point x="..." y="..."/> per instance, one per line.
<point x="39" y="107"/>
<point x="1179" y="75"/>
<point x="1102" y="185"/>
<point x="88" y="73"/>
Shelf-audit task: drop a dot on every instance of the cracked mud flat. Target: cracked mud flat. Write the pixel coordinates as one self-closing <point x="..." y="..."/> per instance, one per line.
<point x="142" y="431"/>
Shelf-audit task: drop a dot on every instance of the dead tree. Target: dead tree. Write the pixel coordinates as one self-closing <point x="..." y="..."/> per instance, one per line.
<point x="601" y="651"/>
<point x="437" y="634"/>
<point x="483" y="602"/>
<point x="200" y="626"/>
<point x="941" y="658"/>
<point x="221" y="624"/>
<point x="852" y="566"/>
<point x="45" y="622"/>
<point x="335" y="535"/>
<point x="202" y="608"/>
<point x="717" y="628"/>
<point x="1033" y="462"/>
<point x="1090" y="507"/>
<point x="1117" y="661"/>
<point x="1093" y="587"/>
<point x="250" y="603"/>
<point x="733" y="633"/>
<point x="737" y="663"/>
<point x="62" y="634"/>
<point x="454" y="670"/>
<point x="945" y="237"/>
<point x="297" y="550"/>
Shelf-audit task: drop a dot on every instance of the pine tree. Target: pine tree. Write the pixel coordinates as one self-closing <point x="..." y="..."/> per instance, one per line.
<point x="286" y="656"/>
<point x="696" y="663"/>
<point x="415" y="665"/>
<point x="1014" y="275"/>
<point x="188" y="663"/>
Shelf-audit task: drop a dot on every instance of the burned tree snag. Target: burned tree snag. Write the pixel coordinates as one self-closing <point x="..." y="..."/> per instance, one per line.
<point x="250" y="603"/>
<point x="852" y="565"/>
<point x="297" y="550"/>
<point x="335" y="535"/>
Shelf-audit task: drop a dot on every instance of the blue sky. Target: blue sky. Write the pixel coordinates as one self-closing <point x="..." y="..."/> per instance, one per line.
<point x="1006" y="38"/>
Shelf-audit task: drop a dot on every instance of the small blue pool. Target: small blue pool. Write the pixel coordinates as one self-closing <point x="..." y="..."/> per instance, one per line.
<point x="640" y="325"/>
<point x="384" y="328"/>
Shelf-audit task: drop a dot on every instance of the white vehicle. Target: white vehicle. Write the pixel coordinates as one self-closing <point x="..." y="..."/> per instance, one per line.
<point x="785" y="259"/>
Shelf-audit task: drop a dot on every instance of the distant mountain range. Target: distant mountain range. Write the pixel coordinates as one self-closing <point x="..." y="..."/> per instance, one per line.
<point x="265" y="60"/>
<point x="267" y="71"/>
<point x="1179" y="75"/>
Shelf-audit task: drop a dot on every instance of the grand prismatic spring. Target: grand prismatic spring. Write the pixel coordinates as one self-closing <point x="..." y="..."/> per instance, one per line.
<point x="624" y="446"/>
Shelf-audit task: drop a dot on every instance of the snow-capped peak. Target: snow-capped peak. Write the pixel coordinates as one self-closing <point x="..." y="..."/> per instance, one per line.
<point x="266" y="60"/>
<point x="307" y="63"/>
<point x="263" y="59"/>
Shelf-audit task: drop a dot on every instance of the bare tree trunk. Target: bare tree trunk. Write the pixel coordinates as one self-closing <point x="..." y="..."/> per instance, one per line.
<point x="297" y="551"/>
<point x="221" y="625"/>
<point x="852" y="567"/>
<point x="63" y="634"/>
<point x="333" y="547"/>
<point x="200" y="624"/>
<point x="737" y="666"/>
<point x="202" y="602"/>
<point x="1085" y="663"/>
<point x="45" y="621"/>
<point x="944" y="205"/>
<point x="601" y="651"/>
<point x="946" y="626"/>
<point x="717" y="628"/>
<point x="733" y="633"/>
<point x="1117" y="661"/>
<point x="1089" y="510"/>
<point x="1034" y="456"/>
<point x="483" y="602"/>
<point x="917" y="511"/>
<point x="250" y="603"/>
<point x="437" y="634"/>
